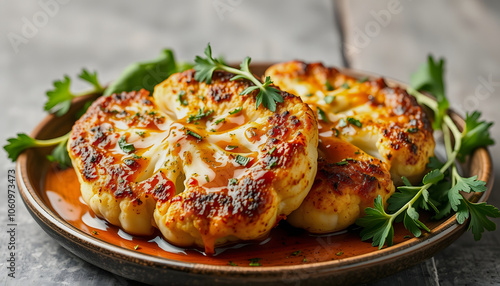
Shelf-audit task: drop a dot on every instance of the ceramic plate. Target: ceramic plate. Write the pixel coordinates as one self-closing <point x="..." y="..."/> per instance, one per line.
<point x="286" y="256"/>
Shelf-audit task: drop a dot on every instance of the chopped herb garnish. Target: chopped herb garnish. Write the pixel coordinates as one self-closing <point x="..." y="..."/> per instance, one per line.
<point x="128" y="162"/>
<point x="272" y="150"/>
<point x="255" y="262"/>
<point x="219" y="120"/>
<point x="354" y="122"/>
<point x="242" y="160"/>
<point x="363" y="79"/>
<point x="322" y="115"/>
<point x="342" y="122"/>
<point x="272" y="162"/>
<point x="345" y="162"/>
<point x="304" y="260"/>
<point x="140" y="133"/>
<point x="441" y="189"/>
<point x="200" y="115"/>
<point x="267" y="95"/>
<point x="357" y="152"/>
<point x="329" y="99"/>
<point x="136" y="247"/>
<point x="230" y="263"/>
<point x="95" y="232"/>
<point x="345" y="85"/>
<point x="339" y="253"/>
<point x="181" y="100"/>
<point x="335" y="132"/>
<point x="207" y="178"/>
<point x="309" y="94"/>
<point x="233" y="181"/>
<point x="295" y="253"/>
<point x="412" y="130"/>
<point x="328" y="86"/>
<point x="135" y="156"/>
<point x="236" y="110"/>
<point x="126" y="147"/>
<point x="194" y="134"/>
<point x="231" y="147"/>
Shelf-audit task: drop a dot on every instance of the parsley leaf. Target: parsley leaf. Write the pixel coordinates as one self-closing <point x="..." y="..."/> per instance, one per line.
<point x="441" y="188"/>
<point x="126" y="147"/>
<point x="429" y="77"/>
<point x="322" y="115"/>
<point x="22" y="142"/>
<point x="476" y="134"/>
<point x="59" y="98"/>
<point x="268" y="96"/>
<point x="146" y="74"/>
<point x="91" y="78"/>
<point x="242" y="160"/>
<point x="479" y="213"/>
<point x="377" y="225"/>
<point x="201" y="114"/>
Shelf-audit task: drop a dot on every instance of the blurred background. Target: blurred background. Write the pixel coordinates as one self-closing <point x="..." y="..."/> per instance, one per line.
<point x="43" y="40"/>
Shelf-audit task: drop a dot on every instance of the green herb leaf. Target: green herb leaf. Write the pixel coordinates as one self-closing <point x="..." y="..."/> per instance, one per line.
<point x="377" y="225"/>
<point x="255" y="262"/>
<point x="267" y="96"/>
<point x="200" y="115"/>
<point x="145" y="74"/>
<point x="194" y="134"/>
<point x="236" y="110"/>
<point x="466" y="185"/>
<point x="476" y="134"/>
<point x="59" y="99"/>
<point x="91" y="78"/>
<point x="126" y="147"/>
<point x="60" y="155"/>
<point x="329" y="99"/>
<point x="354" y="122"/>
<point x="429" y="77"/>
<point x="18" y="145"/>
<point x="432" y="177"/>
<point x="322" y="115"/>
<point x="479" y="213"/>
<point x="242" y="160"/>
<point x="328" y="86"/>
<point x="23" y="142"/>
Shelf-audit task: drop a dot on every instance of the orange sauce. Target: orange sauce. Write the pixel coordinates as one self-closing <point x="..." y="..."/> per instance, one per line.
<point x="284" y="246"/>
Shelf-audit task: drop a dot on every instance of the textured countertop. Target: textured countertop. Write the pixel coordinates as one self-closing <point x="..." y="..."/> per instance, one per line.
<point x="43" y="40"/>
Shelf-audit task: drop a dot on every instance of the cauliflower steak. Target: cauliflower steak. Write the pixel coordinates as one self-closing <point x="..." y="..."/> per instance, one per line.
<point x="197" y="161"/>
<point x="368" y="133"/>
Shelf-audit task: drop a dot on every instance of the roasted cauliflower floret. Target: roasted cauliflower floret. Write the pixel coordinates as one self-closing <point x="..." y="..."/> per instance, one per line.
<point x="198" y="161"/>
<point x="348" y="180"/>
<point x="384" y="121"/>
<point x="386" y="127"/>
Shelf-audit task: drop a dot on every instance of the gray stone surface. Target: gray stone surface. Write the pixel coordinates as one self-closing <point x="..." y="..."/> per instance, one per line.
<point x="107" y="36"/>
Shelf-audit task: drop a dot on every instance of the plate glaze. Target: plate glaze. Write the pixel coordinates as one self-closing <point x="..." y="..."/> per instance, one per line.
<point x="281" y="264"/>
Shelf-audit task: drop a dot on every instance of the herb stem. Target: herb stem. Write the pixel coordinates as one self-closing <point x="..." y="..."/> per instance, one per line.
<point x="51" y="142"/>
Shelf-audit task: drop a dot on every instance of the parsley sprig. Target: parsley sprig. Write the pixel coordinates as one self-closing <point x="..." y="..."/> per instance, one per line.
<point x="267" y="96"/>
<point x="441" y="189"/>
<point x="24" y="141"/>
<point x="59" y="98"/>
<point x="135" y="77"/>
